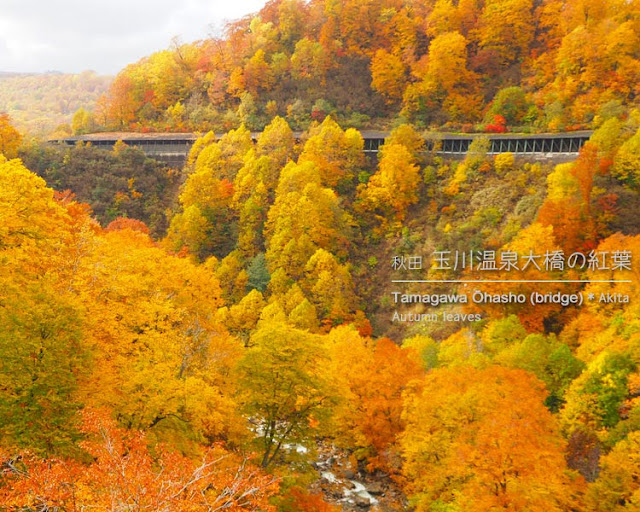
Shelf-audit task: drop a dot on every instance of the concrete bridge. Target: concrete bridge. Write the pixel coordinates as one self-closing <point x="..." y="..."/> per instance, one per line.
<point x="173" y="148"/>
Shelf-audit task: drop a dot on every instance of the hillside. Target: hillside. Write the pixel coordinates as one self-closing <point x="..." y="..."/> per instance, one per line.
<point x="40" y="102"/>
<point x="290" y="323"/>
<point x="272" y="295"/>
<point x="471" y="65"/>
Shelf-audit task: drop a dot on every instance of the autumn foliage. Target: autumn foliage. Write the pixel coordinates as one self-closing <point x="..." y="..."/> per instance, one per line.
<point x="225" y="336"/>
<point x="124" y="474"/>
<point x="552" y="65"/>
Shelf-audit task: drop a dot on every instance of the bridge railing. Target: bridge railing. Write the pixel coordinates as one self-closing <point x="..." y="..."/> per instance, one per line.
<point x="175" y="150"/>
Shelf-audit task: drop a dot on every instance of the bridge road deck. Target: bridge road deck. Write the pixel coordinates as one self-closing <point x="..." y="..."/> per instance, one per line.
<point x="173" y="148"/>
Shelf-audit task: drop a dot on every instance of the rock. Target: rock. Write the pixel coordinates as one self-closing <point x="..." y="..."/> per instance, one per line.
<point x="349" y="474"/>
<point x="362" y="502"/>
<point x="334" y="494"/>
<point x="375" y="488"/>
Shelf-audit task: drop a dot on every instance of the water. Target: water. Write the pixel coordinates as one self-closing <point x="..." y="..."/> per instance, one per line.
<point x="350" y="488"/>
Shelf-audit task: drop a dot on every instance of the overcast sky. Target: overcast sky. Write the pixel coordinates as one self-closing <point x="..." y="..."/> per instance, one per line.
<point x="103" y="35"/>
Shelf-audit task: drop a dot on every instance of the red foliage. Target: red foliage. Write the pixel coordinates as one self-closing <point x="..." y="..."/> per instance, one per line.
<point x="226" y="188"/>
<point x="318" y="115"/>
<point x="124" y="474"/>
<point x="64" y="196"/>
<point x="299" y="500"/>
<point x="124" y="223"/>
<point x="149" y="96"/>
<point x="499" y="125"/>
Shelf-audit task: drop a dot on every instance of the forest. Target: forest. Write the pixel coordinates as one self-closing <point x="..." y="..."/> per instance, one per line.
<point x="457" y="65"/>
<point x="221" y="336"/>
<point x="44" y="103"/>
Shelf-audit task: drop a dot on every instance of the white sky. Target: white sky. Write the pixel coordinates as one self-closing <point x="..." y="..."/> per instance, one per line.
<point x="103" y="35"/>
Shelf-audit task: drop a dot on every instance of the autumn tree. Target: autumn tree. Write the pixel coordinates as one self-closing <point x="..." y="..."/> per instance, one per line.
<point x="207" y="223"/>
<point x="626" y="165"/>
<point x="276" y="141"/>
<point x="482" y="439"/>
<point x="330" y="287"/>
<point x="257" y="76"/>
<point x="568" y="204"/>
<point x="448" y="61"/>
<point x="224" y="158"/>
<point x="337" y="153"/>
<point x="388" y="75"/>
<point x="394" y="187"/>
<point x="309" y="61"/>
<point x="406" y="135"/>
<point x="43" y="349"/>
<point x="594" y="399"/>
<point x="304" y="217"/>
<point x="82" y="122"/>
<point x="447" y="84"/>
<point x="534" y="245"/>
<point x="616" y="489"/>
<point x="10" y="138"/>
<point x="372" y="375"/>
<point x="126" y="473"/>
<point x="506" y="28"/>
<point x="284" y="385"/>
<point x="549" y="360"/>
<point x="242" y="318"/>
<point x="161" y="357"/>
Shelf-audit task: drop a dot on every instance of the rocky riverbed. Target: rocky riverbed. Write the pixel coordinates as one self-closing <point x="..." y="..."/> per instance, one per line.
<point x="352" y="488"/>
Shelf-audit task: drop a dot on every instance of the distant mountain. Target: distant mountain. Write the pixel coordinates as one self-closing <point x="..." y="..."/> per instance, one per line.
<point x="39" y="102"/>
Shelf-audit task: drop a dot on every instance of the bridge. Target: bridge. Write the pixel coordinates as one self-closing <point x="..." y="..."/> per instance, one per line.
<point x="173" y="148"/>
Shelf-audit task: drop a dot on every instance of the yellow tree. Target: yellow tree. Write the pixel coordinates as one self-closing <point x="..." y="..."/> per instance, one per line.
<point x="388" y="75"/>
<point x="43" y="348"/>
<point x="506" y="28"/>
<point x="446" y="81"/>
<point x="330" y="288"/>
<point x="10" y="138"/>
<point x="162" y="359"/>
<point x="277" y="142"/>
<point x="480" y="440"/>
<point x="242" y="318"/>
<point x="305" y="217"/>
<point x="617" y="489"/>
<point x="206" y="223"/>
<point x="447" y="64"/>
<point x="257" y="74"/>
<point x="225" y="157"/>
<point x="407" y="136"/>
<point x="394" y="187"/>
<point x="626" y="164"/>
<point x="337" y="153"/>
<point x="309" y="61"/>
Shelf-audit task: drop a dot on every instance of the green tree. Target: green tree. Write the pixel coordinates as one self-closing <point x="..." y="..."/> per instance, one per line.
<point x="285" y="387"/>
<point x="258" y="273"/>
<point x="511" y="103"/>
